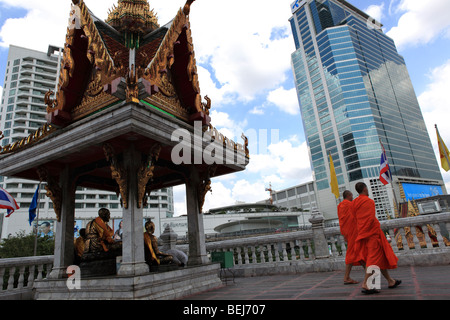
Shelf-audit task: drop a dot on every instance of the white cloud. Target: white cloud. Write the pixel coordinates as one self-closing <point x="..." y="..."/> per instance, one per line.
<point x="227" y="126"/>
<point x="285" y="100"/>
<point x="1" y="92"/>
<point x="257" y="110"/>
<point x="245" y="53"/>
<point x="285" y="162"/>
<point x="434" y="105"/>
<point x="421" y="22"/>
<point x="376" y="11"/>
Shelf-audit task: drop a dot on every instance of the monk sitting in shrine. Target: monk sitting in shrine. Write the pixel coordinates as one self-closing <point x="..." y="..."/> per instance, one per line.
<point x="154" y="257"/>
<point x="347" y="224"/>
<point x="374" y="248"/>
<point x="99" y="236"/>
<point x="79" y="245"/>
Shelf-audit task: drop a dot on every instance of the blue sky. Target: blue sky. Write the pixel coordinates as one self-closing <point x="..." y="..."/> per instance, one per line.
<point x="243" y="53"/>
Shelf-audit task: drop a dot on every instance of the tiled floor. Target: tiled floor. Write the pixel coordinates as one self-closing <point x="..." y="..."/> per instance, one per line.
<point x="418" y="283"/>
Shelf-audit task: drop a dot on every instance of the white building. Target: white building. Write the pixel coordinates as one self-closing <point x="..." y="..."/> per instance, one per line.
<point x="29" y="75"/>
<point x="243" y="219"/>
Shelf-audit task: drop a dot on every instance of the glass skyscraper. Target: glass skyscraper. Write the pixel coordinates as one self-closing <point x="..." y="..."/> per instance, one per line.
<point x="354" y="91"/>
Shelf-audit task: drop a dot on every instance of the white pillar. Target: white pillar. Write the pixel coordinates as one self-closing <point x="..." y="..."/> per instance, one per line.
<point x="196" y="232"/>
<point x="64" y="248"/>
<point x="133" y="260"/>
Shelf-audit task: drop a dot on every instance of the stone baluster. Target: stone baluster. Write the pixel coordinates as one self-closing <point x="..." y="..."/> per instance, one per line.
<point x="21" y="277"/>
<point x="277" y="252"/>
<point x="40" y="269"/>
<point x="2" y="273"/>
<point x="239" y="255"/>
<point x="302" y="251"/>
<point x="285" y="255"/>
<point x="293" y="252"/>
<point x="447" y="226"/>
<point x="333" y="246"/>
<point x="343" y="245"/>
<point x="415" y="238"/>
<point x="246" y="257"/>
<point x="49" y="268"/>
<point x="261" y="253"/>
<point x="254" y="258"/>
<point x="393" y="241"/>
<point x="404" y="240"/>
<point x="12" y="270"/>
<point x="269" y="253"/>
<point x="31" y="276"/>
<point x="311" y="254"/>
<point x="428" y="241"/>
<point x="437" y="228"/>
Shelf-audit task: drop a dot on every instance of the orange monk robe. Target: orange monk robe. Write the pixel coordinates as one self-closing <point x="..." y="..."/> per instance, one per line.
<point x="149" y="246"/>
<point x="98" y="234"/>
<point x="349" y="230"/>
<point x="371" y="241"/>
<point x="79" y="246"/>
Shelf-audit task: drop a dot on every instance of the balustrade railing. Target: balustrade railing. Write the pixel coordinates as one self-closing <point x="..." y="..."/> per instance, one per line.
<point x="20" y="273"/>
<point x="415" y="234"/>
<point x="421" y="234"/>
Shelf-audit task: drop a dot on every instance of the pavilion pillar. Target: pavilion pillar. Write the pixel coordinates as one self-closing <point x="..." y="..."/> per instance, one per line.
<point x="133" y="260"/>
<point x="64" y="244"/>
<point x="196" y="231"/>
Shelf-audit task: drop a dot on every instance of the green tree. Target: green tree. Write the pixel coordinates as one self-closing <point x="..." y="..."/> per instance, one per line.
<point x="22" y="245"/>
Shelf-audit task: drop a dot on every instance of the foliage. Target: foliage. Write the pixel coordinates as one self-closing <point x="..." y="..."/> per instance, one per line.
<point x="22" y="245"/>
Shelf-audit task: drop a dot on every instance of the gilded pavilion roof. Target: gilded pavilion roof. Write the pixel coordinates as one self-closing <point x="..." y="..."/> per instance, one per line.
<point x="127" y="58"/>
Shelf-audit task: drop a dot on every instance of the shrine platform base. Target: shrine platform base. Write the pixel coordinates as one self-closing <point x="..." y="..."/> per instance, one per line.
<point x="168" y="285"/>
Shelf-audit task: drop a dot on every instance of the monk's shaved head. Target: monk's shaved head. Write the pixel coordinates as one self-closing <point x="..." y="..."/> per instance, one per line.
<point x="347" y="194"/>
<point x="360" y="186"/>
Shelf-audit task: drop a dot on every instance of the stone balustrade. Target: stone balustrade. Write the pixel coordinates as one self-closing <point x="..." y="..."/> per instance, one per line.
<point x="17" y="275"/>
<point x="305" y="251"/>
<point x="317" y="249"/>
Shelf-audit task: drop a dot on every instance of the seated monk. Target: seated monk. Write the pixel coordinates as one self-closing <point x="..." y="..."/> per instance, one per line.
<point x="152" y="254"/>
<point x="99" y="236"/>
<point x="79" y="245"/>
<point x="374" y="248"/>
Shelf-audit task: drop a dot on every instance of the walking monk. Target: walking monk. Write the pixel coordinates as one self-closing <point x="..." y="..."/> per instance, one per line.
<point x="374" y="248"/>
<point x="347" y="224"/>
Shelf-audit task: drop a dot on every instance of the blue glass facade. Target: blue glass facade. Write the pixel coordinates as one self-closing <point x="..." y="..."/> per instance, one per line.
<point x="354" y="91"/>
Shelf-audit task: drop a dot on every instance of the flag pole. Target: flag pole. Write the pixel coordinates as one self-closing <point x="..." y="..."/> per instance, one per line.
<point x="441" y="142"/>
<point x="37" y="219"/>
<point x="392" y="178"/>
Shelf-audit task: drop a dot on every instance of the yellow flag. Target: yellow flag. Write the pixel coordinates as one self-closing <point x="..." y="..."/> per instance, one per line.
<point x="443" y="152"/>
<point x="334" y="182"/>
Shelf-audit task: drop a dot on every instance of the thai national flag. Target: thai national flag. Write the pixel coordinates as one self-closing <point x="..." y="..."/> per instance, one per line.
<point x="385" y="171"/>
<point x="7" y="202"/>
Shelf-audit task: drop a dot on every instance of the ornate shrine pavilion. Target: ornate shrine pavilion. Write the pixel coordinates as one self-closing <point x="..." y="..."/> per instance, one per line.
<point x="125" y="86"/>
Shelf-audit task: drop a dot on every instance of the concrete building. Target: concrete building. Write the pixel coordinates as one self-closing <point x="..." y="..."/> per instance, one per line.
<point x="354" y="92"/>
<point x="29" y="75"/>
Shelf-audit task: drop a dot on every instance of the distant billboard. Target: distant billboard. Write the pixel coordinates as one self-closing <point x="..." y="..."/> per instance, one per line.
<point x="419" y="191"/>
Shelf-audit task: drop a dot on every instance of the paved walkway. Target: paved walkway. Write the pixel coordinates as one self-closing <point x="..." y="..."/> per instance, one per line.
<point x="418" y="283"/>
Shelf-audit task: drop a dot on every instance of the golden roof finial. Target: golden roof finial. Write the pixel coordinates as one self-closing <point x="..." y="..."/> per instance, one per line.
<point x="132" y="16"/>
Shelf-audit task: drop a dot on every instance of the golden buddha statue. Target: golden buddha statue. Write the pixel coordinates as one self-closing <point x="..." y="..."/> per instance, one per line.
<point x="152" y="254"/>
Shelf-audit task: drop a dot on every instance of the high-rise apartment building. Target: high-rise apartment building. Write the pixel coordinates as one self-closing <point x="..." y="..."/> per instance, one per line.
<point x="29" y="76"/>
<point x="354" y="91"/>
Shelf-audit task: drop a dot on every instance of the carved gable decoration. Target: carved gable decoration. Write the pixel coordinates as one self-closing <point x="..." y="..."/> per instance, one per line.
<point x="105" y="63"/>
